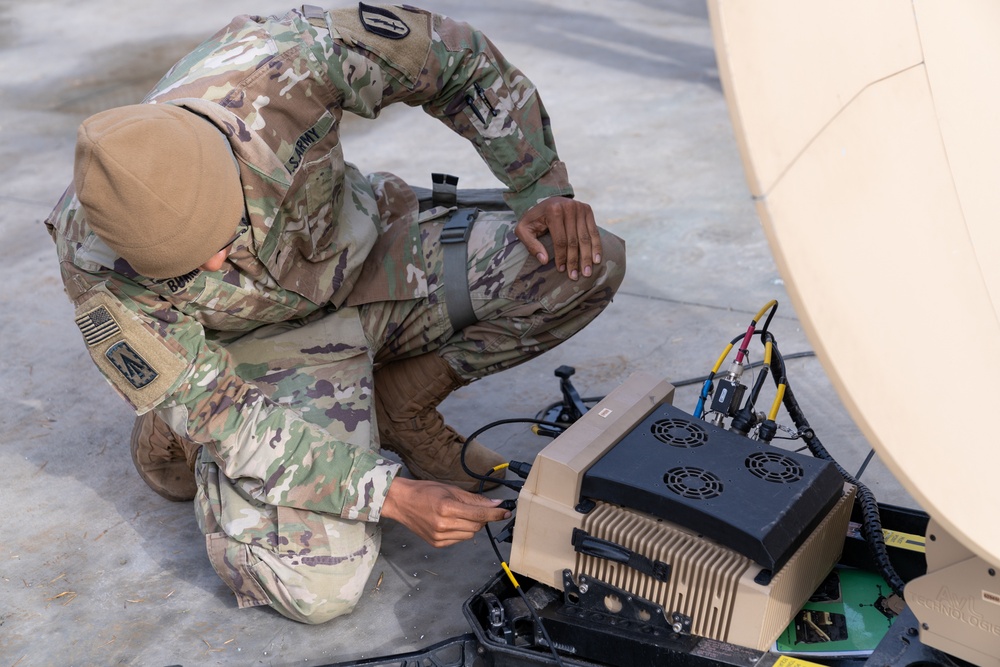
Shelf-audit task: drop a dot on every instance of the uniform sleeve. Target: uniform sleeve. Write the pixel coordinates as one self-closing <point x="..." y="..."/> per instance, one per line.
<point x="458" y="76"/>
<point x="157" y="357"/>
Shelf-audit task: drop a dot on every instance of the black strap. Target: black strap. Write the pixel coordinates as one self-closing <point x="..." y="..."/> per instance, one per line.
<point x="454" y="239"/>
<point x="444" y="190"/>
<point x="445" y="193"/>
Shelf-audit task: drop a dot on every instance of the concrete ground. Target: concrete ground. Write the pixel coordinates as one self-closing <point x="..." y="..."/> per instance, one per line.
<point x="95" y="569"/>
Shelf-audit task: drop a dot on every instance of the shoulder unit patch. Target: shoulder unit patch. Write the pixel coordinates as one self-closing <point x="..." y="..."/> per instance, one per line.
<point x="398" y="37"/>
<point x="382" y="22"/>
<point x="135" y="360"/>
<point x="133" y="367"/>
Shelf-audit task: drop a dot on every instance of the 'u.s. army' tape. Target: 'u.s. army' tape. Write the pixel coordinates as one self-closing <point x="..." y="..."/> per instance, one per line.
<point x="133" y="359"/>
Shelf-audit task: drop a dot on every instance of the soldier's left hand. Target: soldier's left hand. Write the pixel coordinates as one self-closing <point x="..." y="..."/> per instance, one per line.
<point x="575" y="239"/>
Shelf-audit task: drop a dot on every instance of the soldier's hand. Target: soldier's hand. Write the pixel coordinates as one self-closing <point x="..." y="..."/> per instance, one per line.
<point x="440" y="514"/>
<point x="575" y="239"/>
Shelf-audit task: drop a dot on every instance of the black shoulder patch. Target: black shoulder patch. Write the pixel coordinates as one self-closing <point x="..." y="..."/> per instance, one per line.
<point x="382" y="22"/>
<point x="133" y="367"/>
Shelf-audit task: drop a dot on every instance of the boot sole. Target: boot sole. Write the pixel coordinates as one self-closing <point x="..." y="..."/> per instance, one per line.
<point x="161" y="490"/>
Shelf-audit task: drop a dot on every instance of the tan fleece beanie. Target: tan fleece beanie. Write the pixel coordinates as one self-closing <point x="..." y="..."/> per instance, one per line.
<point x="158" y="184"/>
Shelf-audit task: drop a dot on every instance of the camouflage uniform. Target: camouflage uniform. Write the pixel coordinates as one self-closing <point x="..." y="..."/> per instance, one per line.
<point x="268" y="362"/>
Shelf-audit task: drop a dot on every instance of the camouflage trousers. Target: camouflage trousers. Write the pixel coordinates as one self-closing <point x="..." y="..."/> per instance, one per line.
<point x="312" y="567"/>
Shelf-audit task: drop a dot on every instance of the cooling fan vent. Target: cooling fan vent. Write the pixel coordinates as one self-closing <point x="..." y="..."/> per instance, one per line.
<point x="693" y="483"/>
<point x="774" y="467"/>
<point x="752" y="497"/>
<point x="679" y="433"/>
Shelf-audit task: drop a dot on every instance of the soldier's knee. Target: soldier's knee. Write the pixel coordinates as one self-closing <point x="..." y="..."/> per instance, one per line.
<point x="316" y="614"/>
<point x="612" y="258"/>
<point x="314" y="599"/>
<point x="318" y="592"/>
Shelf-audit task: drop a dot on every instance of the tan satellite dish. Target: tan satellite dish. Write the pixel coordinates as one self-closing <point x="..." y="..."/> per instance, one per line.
<point x="870" y="135"/>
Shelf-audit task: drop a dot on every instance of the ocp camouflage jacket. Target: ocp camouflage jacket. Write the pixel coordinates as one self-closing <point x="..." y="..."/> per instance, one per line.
<point x="319" y="231"/>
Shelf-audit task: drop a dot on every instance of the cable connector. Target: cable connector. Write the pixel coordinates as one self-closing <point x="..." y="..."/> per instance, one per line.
<point x="520" y="468"/>
<point x="728" y="396"/>
<point x="744" y="420"/>
<point x="768" y="429"/>
<point x="735" y="371"/>
<point x="506" y="533"/>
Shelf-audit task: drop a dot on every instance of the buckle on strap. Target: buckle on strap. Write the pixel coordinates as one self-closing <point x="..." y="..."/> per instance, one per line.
<point x="459" y="225"/>
<point x="457" y="299"/>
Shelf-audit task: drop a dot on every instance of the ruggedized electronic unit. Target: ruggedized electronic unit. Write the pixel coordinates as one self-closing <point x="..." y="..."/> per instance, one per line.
<point x="724" y="534"/>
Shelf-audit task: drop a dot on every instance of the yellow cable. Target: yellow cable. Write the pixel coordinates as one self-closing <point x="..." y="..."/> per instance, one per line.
<point x="510" y="574"/>
<point x="503" y="564"/>
<point x="718" y="364"/>
<point x="764" y="310"/>
<point x="777" y="402"/>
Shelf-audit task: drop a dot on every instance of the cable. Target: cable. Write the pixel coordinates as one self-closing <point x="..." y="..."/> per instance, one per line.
<point x="741" y="352"/>
<point x="524" y="598"/>
<point x="745" y="418"/>
<point x="773" y="356"/>
<point x="702" y="378"/>
<point x="682" y="383"/>
<point x="770" y="315"/>
<point x="868" y="459"/>
<point x="778" y="396"/>
<point x="871" y="525"/>
<point x="764" y="369"/>
<point x="510" y="575"/>
<point x="871" y="522"/>
<point x="706" y="388"/>
<point x="510" y="484"/>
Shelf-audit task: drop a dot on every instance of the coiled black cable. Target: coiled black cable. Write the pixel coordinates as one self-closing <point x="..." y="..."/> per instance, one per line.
<point x="871" y="524"/>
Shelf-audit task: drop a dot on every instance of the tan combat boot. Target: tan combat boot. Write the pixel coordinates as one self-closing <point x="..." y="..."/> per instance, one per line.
<point x="164" y="460"/>
<point x="407" y="393"/>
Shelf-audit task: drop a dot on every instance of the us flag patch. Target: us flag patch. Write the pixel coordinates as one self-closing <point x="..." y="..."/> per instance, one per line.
<point x="97" y="326"/>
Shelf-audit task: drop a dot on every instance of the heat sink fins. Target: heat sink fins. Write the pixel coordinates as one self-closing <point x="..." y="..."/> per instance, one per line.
<point x="727" y="596"/>
<point x="704" y="576"/>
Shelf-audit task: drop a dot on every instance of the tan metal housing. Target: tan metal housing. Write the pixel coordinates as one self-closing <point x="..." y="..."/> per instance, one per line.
<point x="718" y="588"/>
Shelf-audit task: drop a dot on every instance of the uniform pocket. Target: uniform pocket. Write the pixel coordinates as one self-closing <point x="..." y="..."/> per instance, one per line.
<point x="231" y="560"/>
<point x="322" y="199"/>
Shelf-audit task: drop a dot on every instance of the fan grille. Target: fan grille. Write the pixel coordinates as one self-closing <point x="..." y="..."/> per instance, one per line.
<point x="693" y="483"/>
<point x="679" y="433"/>
<point x="774" y="467"/>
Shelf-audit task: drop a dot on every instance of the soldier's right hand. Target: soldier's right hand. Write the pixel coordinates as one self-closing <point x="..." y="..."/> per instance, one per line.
<point x="440" y="514"/>
<point x="575" y="237"/>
